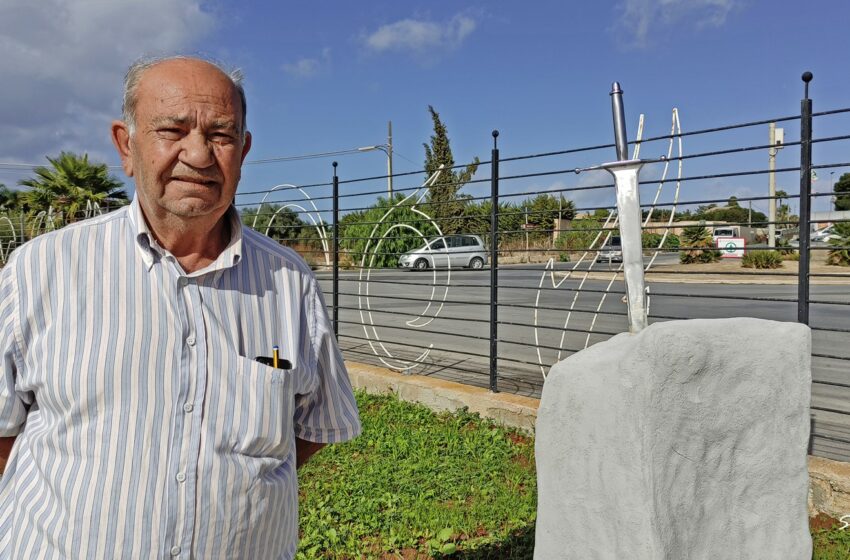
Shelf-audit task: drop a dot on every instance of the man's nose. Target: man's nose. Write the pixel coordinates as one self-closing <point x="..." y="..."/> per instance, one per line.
<point x="197" y="151"/>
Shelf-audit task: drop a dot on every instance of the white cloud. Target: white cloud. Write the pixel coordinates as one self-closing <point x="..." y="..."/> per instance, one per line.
<point x="419" y="36"/>
<point x="639" y="19"/>
<point x="308" y="67"/>
<point x="64" y="61"/>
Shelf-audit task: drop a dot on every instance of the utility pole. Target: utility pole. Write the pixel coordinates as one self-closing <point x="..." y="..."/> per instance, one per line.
<point x="390" y="159"/>
<point x="776" y="138"/>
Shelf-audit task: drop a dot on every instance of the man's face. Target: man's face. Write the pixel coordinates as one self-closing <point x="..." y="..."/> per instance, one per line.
<point x="187" y="149"/>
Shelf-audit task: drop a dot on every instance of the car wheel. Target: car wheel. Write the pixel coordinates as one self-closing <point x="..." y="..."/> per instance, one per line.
<point x="421" y="264"/>
<point x="476" y="263"/>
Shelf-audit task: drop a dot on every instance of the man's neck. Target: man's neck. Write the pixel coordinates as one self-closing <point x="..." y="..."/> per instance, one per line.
<point x="194" y="243"/>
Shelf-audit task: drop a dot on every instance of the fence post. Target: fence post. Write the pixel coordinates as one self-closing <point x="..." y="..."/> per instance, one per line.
<point x="805" y="202"/>
<point x="335" y="282"/>
<point x="494" y="265"/>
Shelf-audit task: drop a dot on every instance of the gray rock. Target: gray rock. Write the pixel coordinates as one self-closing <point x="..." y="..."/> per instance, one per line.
<point x="685" y="441"/>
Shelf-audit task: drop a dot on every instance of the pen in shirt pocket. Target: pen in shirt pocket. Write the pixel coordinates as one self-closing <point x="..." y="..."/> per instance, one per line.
<point x="274" y="360"/>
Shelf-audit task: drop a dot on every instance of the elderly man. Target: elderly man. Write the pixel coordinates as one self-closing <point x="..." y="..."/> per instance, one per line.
<point x="142" y="424"/>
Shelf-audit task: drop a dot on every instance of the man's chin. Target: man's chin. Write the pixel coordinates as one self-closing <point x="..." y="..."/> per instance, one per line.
<point x="192" y="208"/>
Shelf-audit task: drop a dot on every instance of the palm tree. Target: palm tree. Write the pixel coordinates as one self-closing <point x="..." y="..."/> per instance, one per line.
<point x="839" y="254"/>
<point x="71" y="184"/>
<point x="699" y="244"/>
<point x="10" y="199"/>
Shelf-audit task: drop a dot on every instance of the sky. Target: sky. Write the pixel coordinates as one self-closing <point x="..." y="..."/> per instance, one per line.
<point x="325" y="76"/>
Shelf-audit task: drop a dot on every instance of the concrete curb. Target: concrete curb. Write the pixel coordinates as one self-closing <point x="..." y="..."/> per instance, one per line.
<point x="829" y="487"/>
<point x="829" y="491"/>
<point x="437" y="394"/>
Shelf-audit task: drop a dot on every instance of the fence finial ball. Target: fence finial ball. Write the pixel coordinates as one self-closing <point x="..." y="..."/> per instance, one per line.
<point x="495" y="134"/>
<point x="807" y="77"/>
<point x="334" y="164"/>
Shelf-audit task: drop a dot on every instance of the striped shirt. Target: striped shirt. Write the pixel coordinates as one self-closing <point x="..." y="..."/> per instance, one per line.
<point x="145" y="428"/>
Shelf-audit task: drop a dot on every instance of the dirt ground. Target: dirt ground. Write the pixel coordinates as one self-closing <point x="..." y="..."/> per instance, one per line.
<point x="726" y="271"/>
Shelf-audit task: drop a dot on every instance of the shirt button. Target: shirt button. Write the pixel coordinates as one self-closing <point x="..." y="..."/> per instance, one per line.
<point x="190" y="341"/>
<point x="181" y="477"/>
<point x="188" y="408"/>
<point x="182" y="281"/>
<point x="175" y="550"/>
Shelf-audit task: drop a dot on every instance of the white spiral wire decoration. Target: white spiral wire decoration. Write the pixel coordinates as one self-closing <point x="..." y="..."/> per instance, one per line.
<point x="608" y="226"/>
<point x="364" y="301"/>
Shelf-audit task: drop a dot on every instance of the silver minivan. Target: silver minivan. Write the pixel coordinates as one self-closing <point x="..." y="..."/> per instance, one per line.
<point x="455" y="251"/>
<point x="612" y="251"/>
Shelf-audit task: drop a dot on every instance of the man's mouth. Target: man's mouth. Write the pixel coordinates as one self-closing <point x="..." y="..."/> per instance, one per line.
<point x="196" y="180"/>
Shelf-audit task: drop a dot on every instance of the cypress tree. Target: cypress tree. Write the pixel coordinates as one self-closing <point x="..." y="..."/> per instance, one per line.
<point x="446" y="206"/>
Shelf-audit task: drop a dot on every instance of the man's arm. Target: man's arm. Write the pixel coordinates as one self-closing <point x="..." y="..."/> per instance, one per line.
<point x="6" y="444"/>
<point x="303" y="450"/>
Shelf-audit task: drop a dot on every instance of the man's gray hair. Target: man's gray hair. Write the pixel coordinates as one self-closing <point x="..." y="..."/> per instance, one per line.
<point x="138" y="68"/>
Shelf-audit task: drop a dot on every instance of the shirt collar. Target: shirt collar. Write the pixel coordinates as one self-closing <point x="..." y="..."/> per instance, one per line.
<point x="150" y="250"/>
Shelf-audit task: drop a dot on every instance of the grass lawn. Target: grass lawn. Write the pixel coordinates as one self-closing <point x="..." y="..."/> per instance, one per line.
<point x="419" y="485"/>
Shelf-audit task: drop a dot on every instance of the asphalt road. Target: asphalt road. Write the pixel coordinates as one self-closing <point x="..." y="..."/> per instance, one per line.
<point x="455" y="344"/>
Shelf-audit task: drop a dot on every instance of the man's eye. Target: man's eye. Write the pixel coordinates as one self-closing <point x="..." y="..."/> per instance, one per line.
<point x="222" y="138"/>
<point x="170" y="133"/>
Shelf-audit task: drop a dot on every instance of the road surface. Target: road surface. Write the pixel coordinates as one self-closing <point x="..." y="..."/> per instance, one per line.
<point x="456" y="343"/>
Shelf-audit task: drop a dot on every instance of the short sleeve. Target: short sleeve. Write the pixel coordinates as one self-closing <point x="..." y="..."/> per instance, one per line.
<point x="13" y="410"/>
<point x="329" y="413"/>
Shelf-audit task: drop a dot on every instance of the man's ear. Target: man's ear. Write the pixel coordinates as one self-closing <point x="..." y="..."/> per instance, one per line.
<point x="121" y="140"/>
<point x="246" y="145"/>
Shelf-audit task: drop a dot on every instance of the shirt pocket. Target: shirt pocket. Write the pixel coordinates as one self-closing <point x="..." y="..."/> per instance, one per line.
<point x="263" y="418"/>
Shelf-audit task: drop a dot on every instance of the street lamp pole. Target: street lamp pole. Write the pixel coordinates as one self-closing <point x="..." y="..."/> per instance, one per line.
<point x="390" y="159"/>
<point x="387" y="149"/>
<point x="776" y="140"/>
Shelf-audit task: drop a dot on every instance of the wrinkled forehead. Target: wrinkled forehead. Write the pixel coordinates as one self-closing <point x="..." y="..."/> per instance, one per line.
<point x="184" y="89"/>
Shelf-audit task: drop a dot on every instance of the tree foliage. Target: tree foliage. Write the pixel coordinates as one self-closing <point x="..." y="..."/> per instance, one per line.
<point x="544" y="209"/>
<point x="581" y="235"/>
<point x="69" y="184"/>
<point x="447" y="207"/>
<point x="784" y="217"/>
<point x="842" y="192"/>
<point x="10" y="199"/>
<point x="278" y="222"/>
<point x="362" y="231"/>
<point x="731" y="214"/>
<point x="356" y="227"/>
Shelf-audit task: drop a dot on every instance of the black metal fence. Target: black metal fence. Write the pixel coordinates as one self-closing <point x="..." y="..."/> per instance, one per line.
<point x="547" y="227"/>
<point x="547" y="291"/>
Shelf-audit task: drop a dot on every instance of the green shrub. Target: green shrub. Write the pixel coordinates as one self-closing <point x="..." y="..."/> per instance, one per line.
<point x="699" y="245"/>
<point x="784" y="247"/>
<point x="839" y="254"/>
<point x="762" y="259"/>
<point x="580" y="234"/>
<point x="653" y="241"/>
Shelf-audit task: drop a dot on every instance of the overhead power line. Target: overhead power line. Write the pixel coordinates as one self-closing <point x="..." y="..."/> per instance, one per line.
<point x="28" y="166"/>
